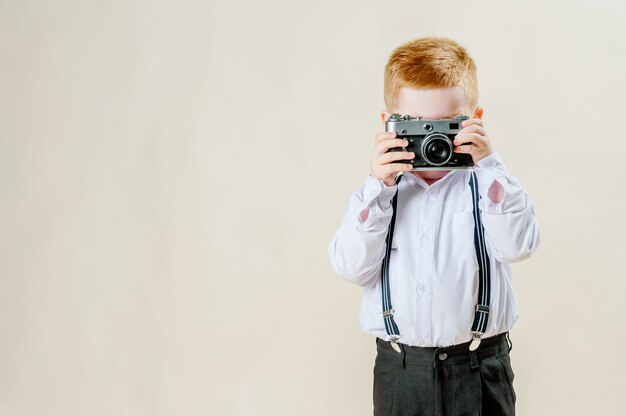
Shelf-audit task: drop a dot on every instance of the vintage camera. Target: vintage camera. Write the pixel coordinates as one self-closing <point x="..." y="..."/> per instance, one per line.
<point x="431" y="141"/>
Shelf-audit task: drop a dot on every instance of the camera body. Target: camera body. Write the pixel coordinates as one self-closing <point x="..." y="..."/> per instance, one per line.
<point x="431" y="141"/>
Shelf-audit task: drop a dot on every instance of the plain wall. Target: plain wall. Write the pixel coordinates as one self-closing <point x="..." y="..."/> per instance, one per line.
<point x="172" y="172"/>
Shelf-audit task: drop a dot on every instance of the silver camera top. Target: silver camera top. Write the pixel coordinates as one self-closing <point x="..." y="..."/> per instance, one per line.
<point x="405" y="125"/>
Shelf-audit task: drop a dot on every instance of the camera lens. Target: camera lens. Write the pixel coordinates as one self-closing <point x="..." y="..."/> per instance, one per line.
<point x="437" y="152"/>
<point x="436" y="149"/>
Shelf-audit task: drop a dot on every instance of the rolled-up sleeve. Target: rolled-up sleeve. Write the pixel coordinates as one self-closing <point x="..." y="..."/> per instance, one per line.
<point x="511" y="227"/>
<point x="358" y="247"/>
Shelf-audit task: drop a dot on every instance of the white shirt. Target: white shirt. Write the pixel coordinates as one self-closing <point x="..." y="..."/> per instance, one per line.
<point x="433" y="271"/>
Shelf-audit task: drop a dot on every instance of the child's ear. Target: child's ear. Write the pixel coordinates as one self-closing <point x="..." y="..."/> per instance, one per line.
<point x="384" y="115"/>
<point x="479" y="112"/>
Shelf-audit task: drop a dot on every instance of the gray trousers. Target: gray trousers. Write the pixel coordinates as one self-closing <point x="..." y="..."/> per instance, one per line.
<point x="450" y="381"/>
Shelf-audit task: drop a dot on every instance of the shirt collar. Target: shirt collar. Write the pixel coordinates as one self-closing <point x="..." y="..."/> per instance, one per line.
<point x="421" y="182"/>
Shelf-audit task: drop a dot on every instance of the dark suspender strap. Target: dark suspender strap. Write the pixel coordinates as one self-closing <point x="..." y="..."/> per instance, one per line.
<point x="390" y="323"/>
<point x="481" y="314"/>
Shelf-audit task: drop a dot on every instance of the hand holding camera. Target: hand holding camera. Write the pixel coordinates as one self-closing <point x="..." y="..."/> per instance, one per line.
<point x="473" y="140"/>
<point x="385" y="164"/>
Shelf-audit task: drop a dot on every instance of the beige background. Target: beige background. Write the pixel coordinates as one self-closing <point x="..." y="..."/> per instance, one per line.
<point x="171" y="173"/>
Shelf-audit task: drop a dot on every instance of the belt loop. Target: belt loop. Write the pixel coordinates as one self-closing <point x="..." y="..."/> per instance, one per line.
<point x="509" y="342"/>
<point x="474" y="360"/>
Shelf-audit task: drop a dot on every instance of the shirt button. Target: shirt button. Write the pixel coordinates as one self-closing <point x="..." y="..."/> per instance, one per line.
<point x="423" y="289"/>
<point x="443" y="356"/>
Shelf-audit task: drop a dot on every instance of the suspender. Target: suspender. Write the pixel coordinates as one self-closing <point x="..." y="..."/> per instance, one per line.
<point x="390" y="323"/>
<point x="481" y="313"/>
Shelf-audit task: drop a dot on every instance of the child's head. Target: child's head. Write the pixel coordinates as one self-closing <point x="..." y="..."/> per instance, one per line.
<point x="433" y="77"/>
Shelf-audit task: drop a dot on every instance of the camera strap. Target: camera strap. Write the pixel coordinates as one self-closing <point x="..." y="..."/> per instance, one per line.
<point x="481" y="312"/>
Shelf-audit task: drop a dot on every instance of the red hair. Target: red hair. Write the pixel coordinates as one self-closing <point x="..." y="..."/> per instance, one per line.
<point x="430" y="63"/>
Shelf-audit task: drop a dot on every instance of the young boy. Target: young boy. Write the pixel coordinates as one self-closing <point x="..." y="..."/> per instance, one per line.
<point x="438" y="297"/>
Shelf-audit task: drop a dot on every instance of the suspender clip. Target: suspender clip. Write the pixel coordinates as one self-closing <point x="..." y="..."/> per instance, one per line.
<point x="482" y="308"/>
<point x="475" y="341"/>
<point x="387" y="314"/>
<point x="394" y="343"/>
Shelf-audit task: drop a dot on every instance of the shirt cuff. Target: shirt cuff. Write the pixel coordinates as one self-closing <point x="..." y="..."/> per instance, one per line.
<point x="488" y="170"/>
<point x="376" y="191"/>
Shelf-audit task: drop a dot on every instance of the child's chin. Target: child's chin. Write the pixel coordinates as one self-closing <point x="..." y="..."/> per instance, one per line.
<point x="431" y="174"/>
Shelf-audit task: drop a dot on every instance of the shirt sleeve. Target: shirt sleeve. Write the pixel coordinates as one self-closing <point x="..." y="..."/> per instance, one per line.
<point x="511" y="227"/>
<point x="358" y="248"/>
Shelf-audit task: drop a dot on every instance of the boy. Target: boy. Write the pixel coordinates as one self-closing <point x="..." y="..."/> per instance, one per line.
<point x="438" y="296"/>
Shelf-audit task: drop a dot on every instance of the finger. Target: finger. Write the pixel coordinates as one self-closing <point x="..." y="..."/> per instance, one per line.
<point x="468" y="149"/>
<point x="474" y="128"/>
<point x="471" y="121"/>
<point x="390" y="157"/>
<point x="385" y="145"/>
<point x="396" y="167"/>
<point x="384" y="136"/>
<point x="473" y="138"/>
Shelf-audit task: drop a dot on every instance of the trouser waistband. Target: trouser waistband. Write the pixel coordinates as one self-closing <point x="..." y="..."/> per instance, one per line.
<point x="455" y="354"/>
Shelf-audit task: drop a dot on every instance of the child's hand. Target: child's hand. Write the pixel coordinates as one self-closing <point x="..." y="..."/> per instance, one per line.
<point x="383" y="166"/>
<point x="473" y="140"/>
